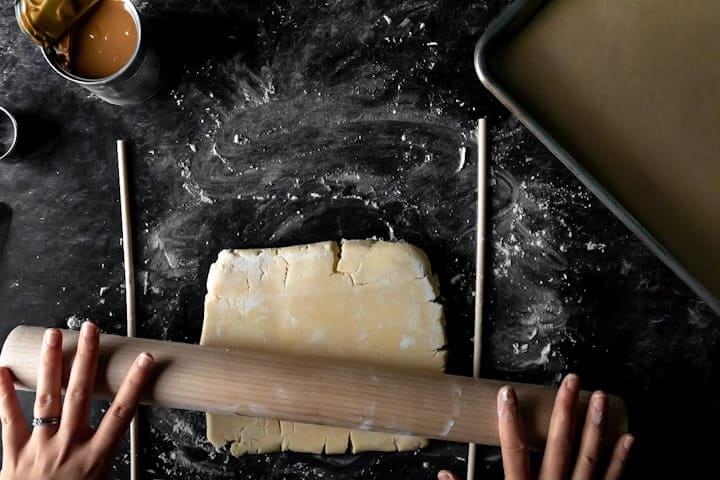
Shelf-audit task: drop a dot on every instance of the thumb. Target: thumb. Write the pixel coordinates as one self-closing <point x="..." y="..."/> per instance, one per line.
<point x="447" y="475"/>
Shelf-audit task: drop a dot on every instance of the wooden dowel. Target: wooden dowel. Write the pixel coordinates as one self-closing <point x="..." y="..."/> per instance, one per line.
<point x="480" y="244"/>
<point x="479" y="268"/>
<point x="127" y="238"/>
<point x="309" y="390"/>
<point x="129" y="282"/>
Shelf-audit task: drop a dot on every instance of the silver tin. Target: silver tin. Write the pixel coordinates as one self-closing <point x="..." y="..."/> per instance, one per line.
<point x="504" y="27"/>
<point x="8" y="133"/>
<point x="136" y="82"/>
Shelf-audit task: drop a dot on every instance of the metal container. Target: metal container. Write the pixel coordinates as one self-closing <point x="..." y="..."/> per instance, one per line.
<point x="136" y="82"/>
<point x="46" y="21"/>
<point x="8" y="133"/>
<point x="502" y="31"/>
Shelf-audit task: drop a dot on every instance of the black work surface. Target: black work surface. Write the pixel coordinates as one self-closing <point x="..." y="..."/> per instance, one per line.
<point x="301" y="121"/>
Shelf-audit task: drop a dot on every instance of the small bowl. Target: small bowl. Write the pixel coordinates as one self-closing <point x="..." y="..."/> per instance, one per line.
<point x="8" y="133"/>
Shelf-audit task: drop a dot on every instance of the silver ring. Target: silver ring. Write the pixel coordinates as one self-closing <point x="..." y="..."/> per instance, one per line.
<point x="44" y="422"/>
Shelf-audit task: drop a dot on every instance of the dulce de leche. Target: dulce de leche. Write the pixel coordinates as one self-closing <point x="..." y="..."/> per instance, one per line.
<point x="47" y="21"/>
<point x="102" y="42"/>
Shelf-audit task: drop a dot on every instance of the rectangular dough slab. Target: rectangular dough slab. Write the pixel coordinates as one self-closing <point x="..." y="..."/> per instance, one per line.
<point x="374" y="302"/>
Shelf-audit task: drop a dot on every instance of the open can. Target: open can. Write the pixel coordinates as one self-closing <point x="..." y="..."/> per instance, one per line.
<point x="138" y="80"/>
<point x="8" y="133"/>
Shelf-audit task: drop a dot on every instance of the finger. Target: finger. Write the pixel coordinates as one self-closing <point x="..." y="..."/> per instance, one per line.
<point x="590" y="441"/>
<point x="15" y="432"/>
<point x="76" y="409"/>
<point x="49" y="383"/>
<point x="446" y="475"/>
<point x="619" y="457"/>
<point x="560" y="434"/>
<point x="516" y="461"/>
<point x="118" y="417"/>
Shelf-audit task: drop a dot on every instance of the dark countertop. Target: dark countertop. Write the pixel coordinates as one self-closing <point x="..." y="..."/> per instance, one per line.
<point x="295" y="122"/>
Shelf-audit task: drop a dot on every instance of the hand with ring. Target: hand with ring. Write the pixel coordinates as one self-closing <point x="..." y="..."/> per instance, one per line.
<point x="62" y="445"/>
<point x="558" y="461"/>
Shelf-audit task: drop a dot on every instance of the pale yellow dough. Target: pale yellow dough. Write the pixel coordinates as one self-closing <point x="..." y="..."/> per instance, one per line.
<point x="370" y="301"/>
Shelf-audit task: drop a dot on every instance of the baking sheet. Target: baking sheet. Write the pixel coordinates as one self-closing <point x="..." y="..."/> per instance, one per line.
<point x="627" y="95"/>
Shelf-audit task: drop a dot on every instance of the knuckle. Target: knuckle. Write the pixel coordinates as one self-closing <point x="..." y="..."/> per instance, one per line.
<point x="559" y="442"/>
<point x="46" y="400"/>
<point x="514" y="446"/>
<point x="6" y="394"/>
<point x="134" y="381"/>
<point x="7" y="420"/>
<point x="77" y="394"/>
<point x="121" y="411"/>
<point x="589" y="460"/>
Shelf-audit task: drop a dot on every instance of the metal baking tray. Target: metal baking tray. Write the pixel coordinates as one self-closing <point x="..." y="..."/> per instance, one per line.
<point x="658" y="59"/>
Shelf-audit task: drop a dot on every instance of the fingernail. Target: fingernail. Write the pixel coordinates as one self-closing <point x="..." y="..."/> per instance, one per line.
<point x="628" y="442"/>
<point x="52" y="338"/>
<point x="598" y="405"/>
<point x="572" y="382"/>
<point x="444" y="476"/>
<point x="508" y="404"/>
<point x="145" y="360"/>
<point x="89" y="329"/>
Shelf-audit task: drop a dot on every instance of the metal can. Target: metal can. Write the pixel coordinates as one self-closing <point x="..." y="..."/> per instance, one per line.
<point x="8" y="133"/>
<point x="141" y="78"/>
<point x="46" y="21"/>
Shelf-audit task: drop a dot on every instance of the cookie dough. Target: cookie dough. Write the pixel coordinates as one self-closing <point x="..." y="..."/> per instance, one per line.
<point x="370" y="301"/>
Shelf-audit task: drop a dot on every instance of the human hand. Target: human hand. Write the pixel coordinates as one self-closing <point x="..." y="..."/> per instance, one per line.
<point x="556" y="462"/>
<point x="64" y="446"/>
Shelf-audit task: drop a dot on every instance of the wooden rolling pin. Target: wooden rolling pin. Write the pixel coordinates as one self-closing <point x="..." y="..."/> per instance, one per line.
<point x="338" y="393"/>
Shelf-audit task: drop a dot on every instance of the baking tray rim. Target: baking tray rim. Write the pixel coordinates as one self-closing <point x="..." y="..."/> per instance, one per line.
<point x="520" y="12"/>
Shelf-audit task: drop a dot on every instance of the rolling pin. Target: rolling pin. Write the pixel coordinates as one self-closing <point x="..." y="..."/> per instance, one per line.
<point x="309" y="390"/>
